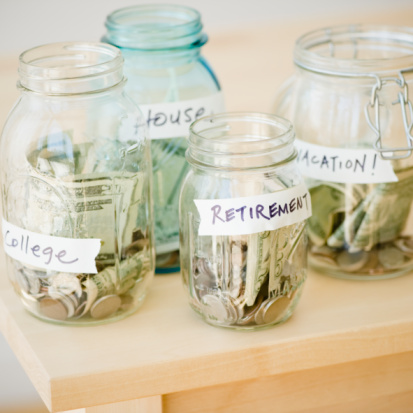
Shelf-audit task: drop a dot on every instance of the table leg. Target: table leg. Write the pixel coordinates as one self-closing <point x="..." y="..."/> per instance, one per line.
<point x="145" y="405"/>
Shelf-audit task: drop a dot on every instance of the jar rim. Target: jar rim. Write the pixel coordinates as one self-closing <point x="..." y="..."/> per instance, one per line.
<point x="155" y="27"/>
<point x="70" y="67"/>
<point x="356" y="50"/>
<point x="267" y="142"/>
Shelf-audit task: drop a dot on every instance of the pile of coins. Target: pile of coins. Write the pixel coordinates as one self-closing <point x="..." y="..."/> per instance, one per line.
<point x="81" y="298"/>
<point x="355" y="229"/>
<point x="381" y="259"/>
<point x="254" y="282"/>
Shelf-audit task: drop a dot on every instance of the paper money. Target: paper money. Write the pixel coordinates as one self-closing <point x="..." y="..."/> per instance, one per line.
<point x="258" y="264"/>
<point x="82" y="191"/>
<point x="169" y="170"/>
<point x="363" y="218"/>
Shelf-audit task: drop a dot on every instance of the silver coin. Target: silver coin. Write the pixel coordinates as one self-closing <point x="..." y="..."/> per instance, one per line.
<point x="105" y="306"/>
<point x="352" y="261"/>
<point x="391" y="257"/>
<point x="275" y="309"/>
<point x="372" y="264"/>
<point x="79" y="310"/>
<point x="204" y="268"/>
<point x="405" y="245"/>
<point x="232" y="311"/>
<point x="66" y="283"/>
<point x="324" y="254"/>
<point x="53" y="308"/>
<point x="66" y="300"/>
<point x="74" y="299"/>
<point x="214" y="308"/>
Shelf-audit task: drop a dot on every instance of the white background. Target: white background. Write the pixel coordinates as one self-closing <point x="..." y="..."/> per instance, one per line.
<point x="28" y="23"/>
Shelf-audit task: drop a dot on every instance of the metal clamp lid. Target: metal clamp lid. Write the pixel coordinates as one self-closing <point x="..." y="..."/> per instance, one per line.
<point x="407" y="116"/>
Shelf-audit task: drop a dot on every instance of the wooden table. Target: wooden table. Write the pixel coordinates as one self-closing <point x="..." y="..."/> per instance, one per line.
<point x="347" y="348"/>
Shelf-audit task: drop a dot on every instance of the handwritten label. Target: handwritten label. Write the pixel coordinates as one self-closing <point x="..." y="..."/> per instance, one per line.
<point x="357" y="166"/>
<point x="172" y="120"/>
<point x="250" y="215"/>
<point x="48" y="252"/>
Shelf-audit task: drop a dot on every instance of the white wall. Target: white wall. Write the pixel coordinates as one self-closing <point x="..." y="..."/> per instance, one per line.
<point x="28" y="23"/>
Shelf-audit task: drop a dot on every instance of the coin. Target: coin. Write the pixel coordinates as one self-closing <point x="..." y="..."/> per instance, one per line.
<point x="352" y="261"/>
<point x="79" y="310"/>
<point x="405" y="245"/>
<point x="232" y="311"/>
<point x="105" y="306"/>
<point x="372" y="264"/>
<point x="214" y="308"/>
<point x="391" y="257"/>
<point x="204" y="268"/>
<point x="275" y="309"/>
<point x="70" y="302"/>
<point x="324" y="254"/>
<point x="53" y="308"/>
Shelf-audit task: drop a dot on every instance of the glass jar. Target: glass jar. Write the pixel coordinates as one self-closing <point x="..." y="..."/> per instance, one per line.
<point x="75" y="179"/>
<point x="243" y="210"/>
<point x="173" y="85"/>
<point x="350" y="100"/>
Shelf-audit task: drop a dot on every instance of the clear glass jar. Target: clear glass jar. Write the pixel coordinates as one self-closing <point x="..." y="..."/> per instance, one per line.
<point x="350" y="102"/>
<point x="243" y="210"/>
<point x="75" y="180"/>
<point x="173" y="85"/>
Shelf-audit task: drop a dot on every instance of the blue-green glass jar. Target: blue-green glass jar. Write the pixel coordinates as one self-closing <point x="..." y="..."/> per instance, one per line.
<point x="173" y="86"/>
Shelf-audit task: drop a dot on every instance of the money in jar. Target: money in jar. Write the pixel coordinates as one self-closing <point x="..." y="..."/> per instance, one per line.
<point x="75" y="178"/>
<point x="173" y="85"/>
<point x="243" y="214"/>
<point x="351" y="102"/>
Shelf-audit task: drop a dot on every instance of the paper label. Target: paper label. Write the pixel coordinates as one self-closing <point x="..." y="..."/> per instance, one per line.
<point x="250" y="215"/>
<point x="356" y="166"/>
<point x="172" y="120"/>
<point x="49" y="252"/>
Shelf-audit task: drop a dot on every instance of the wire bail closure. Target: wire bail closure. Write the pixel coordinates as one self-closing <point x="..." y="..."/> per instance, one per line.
<point x="388" y="153"/>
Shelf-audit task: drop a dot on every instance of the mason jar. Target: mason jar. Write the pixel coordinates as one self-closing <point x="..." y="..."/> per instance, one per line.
<point x="350" y="102"/>
<point x="243" y="213"/>
<point x="75" y="179"/>
<point x="173" y="85"/>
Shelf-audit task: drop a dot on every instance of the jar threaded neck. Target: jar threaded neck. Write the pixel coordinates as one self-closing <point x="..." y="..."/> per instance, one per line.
<point x="155" y="27"/>
<point x="70" y="68"/>
<point x="234" y="141"/>
<point x="355" y="49"/>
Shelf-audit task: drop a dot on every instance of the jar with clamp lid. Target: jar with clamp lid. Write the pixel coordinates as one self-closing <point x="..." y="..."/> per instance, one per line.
<point x="243" y="210"/>
<point x="351" y="103"/>
<point x="75" y="179"/>
<point x="173" y="86"/>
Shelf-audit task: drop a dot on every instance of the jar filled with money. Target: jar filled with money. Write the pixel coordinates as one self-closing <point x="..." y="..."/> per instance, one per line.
<point x="75" y="179"/>
<point x="174" y="86"/>
<point x="243" y="212"/>
<point x="351" y="102"/>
